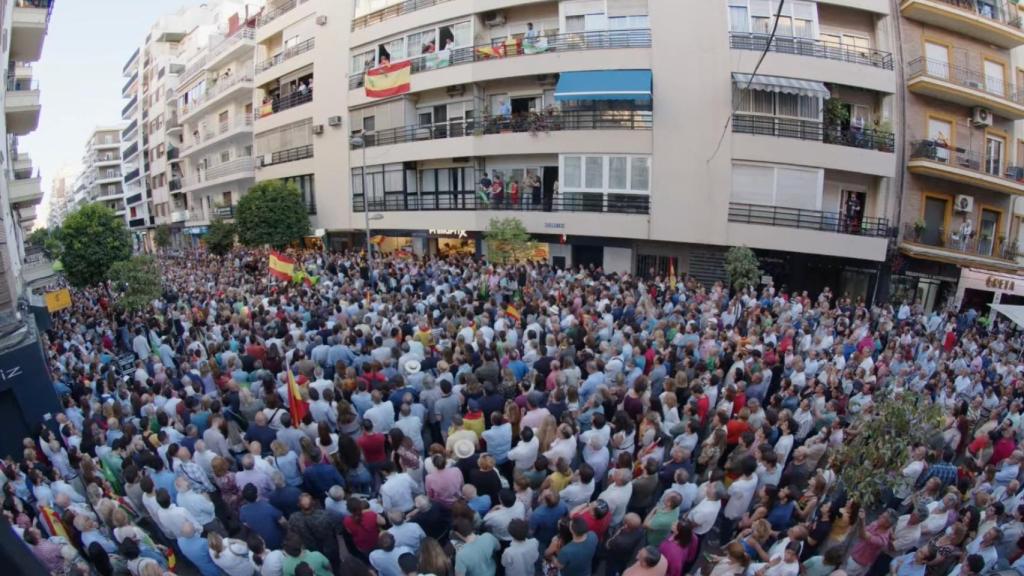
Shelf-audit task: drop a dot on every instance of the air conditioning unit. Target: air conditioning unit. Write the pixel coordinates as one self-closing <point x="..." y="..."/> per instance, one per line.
<point x="318" y="129"/>
<point x="973" y="84"/>
<point x="964" y="203"/>
<point x="321" y="20"/>
<point x="334" y="121"/>
<point x="981" y="117"/>
<point x="494" y="19"/>
<point x="456" y="90"/>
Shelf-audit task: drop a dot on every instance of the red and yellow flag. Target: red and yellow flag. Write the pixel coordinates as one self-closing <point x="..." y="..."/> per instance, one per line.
<point x="513" y="313"/>
<point x="281" y="266"/>
<point x="672" y="273"/>
<point x="388" y="80"/>
<point x="53" y="523"/>
<point x="488" y="52"/>
<point x="297" y="407"/>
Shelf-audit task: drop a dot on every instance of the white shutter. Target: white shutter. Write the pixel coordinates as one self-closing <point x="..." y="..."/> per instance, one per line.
<point x="797" y="188"/>
<point x="627" y="8"/>
<point x="752" y="184"/>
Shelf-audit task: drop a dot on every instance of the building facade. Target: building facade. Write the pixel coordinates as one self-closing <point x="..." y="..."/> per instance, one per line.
<point x="101" y="175"/>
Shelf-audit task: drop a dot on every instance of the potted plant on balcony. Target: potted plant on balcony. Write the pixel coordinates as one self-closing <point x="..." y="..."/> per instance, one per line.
<point x="918" y="229"/>
<point x="883" y="136"/>
<point x="836" y="116"/>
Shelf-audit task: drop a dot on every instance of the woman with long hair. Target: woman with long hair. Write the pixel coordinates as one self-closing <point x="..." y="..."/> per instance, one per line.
<point x="433" y="559"/>
<point x="733" y="563"/>
<point x="680" y="549"/>
<point x="230" y="555"/>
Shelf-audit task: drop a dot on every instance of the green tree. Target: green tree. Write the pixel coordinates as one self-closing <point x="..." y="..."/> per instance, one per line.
<point x="47" y="240"/>
<point x="507" y="240"/>
<point x="93" y="238"/>
<point x="220" y="238"/>
<point x="879" y="441"/>
<point x="162" y="236"/>
<point x="136" y="282"/>
<point x="273" y="213"/>
<point x="742" y="267"/>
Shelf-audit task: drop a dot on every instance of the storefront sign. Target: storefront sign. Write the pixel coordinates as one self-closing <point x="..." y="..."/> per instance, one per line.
<point x="555" y="225"/>
<point x="1000" y="284"/>
<point x="448" y="233"/>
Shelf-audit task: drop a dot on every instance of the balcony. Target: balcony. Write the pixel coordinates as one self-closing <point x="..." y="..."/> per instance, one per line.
<point x="133" y="199"/>
<point x="224" y="131"/>
<point x="129" y="129"/>
<point x="286" y="54"/>
<point x="931" y="158"/>
<point x="292" y="100"/>
<point x="940" y="245"/>
<point x="173" y="154"/>
<point x="811" y="48"/>
<point x="129" y="177"/>
<point x="230" y="47"/>
<point x="275" y="13"/>
<point x="237" y="169"/>
<point x="964" y="86"/>
<point x="179" y="216"/>
<point x="25" y="191"/>
<point x="533" y="123"/>
<point x="22" y="164"/>
<point x="109" y="177"/>
<point x="174" y="184"/>
<point x="995" y="22"/>
<point x="22" y="106"/>
<point x="29" y="20"/>
<point x="240" y="82"/>
<point x="469" y="200"/>
<point x="137" y="223"/>
<point x="835" y="222"/>
<point x="568" y="42"/>
<point x="130" y="64"/>
<point x="127" y="111"/>
<point x="289" y="155"/>
<point x="127" y="88"/>
<point x="35" y="266"/>
<point x="130" y="151"/>
<point x="394" y="11"/>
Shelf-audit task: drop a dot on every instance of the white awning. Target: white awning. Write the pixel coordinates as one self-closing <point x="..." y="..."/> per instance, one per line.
<point x="1014" y="313"/>
<point x="783" y="85"/>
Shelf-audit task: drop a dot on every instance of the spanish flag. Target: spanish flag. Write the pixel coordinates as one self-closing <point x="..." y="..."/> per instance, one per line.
<point x="52" y="522"/>
<point x="489" y="52"/>
<point x="388" y="80"/>
<point x="281" y="266"/>
<point x="672" y="274"/>
<point x="297" y="407"/>
<point x="513" y="313"/>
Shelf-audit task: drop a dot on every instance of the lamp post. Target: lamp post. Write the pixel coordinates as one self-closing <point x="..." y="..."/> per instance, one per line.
<point x="359" y="142"/>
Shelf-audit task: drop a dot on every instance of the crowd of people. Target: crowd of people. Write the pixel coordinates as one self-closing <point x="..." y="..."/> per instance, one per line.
<point x="454" y="417"/>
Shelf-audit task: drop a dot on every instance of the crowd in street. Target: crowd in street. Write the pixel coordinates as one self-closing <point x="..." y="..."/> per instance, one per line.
<point x="455" y="417"/>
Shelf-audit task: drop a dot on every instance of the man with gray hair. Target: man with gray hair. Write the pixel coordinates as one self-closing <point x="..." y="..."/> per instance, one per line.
<point x="703" y="515"/>
<point x="249" y="475"/>
<point x="408" y="534"/>
<point x="618" y="494"/>
<point x="335" y="503"/>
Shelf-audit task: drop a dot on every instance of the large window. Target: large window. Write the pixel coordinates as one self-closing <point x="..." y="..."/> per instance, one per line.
<point x="623" y="174"/>
<point x="798" y="19"/>
<point x="287" y="137"/>
<point x="305" y="186"/>
<point x="777" y="185"/>
<point x="413" y="45"/>
<point x="778" y="104"/>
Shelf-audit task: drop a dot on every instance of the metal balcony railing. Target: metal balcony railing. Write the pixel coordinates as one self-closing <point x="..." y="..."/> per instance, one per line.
<point x="532" y="123"/>
<point x="236" y="166"/>
<point x="275" y="105"/>
<point x="287" y="53"/>
<point x="866" y="138"/>
<point x="132" y="126"/>
<point x="568" y="42"/>
<point x="837" y="222"/>
<point x="393" y="11"/>
<point x="131" y="60"/>
<point x="131" y="104"/>
<point x="471" y="200"/>
<point x="130" y="151"/>
<point x="972" y="243"/>
<point x="129" y="83"/>
<point x="131" y="175"/>
<point x="271" y="15"/>
<point x="965" y="77"/>
<point x="133" y="199"/>
<point x="811" y="47"/>
<point x="289" y="155"/>
<point x="964" y="159"/>
<point x="995" y="10"/>
<point x="223" y="85"/>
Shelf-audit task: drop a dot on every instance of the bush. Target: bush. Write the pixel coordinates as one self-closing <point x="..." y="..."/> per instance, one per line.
<point x="272" y="213"/>
<point x="507" y="240"/>
<point x="162" y="236"/>
<point x="742" y="267"/>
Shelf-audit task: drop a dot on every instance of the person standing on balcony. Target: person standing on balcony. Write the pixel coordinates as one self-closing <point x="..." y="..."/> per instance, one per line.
<point x="513" y="192"/>
<point x="485" y="189"/>
<point x="535" y="189"/>
<point x="498" y="190"/>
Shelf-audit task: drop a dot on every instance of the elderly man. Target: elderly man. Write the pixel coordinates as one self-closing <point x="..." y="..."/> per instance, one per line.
<point x="618" y="494"/>
<point x="199" y="506"/>
<point x="197" y="550"/>
<point x="249" y="475"/>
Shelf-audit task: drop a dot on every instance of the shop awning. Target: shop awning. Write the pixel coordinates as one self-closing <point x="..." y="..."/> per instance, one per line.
<point x="604" y="85"/>
<point x="783" y="85"/>
<point x="1014" y="313"/>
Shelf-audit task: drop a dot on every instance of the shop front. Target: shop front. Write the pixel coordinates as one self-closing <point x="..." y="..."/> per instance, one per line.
<point x="979" y="288"/>
<point x="930" y="284"/>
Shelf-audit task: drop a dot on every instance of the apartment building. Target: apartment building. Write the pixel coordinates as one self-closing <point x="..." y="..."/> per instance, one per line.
<point x="634" y="135"/>
<point x="101" y="176"/>
<point x="215" y="110"/>
<point x="61" y="195"/>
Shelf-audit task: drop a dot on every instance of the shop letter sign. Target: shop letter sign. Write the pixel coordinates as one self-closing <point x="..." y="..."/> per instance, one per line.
<point x="999" y="283"/>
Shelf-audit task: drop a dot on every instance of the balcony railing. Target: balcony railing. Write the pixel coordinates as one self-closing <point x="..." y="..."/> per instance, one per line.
<point x="236" y="166"/>
<point x="393" y="11"/>
<point x="223" y="85"/>
<point x="136" y="222"/>
<point x="129" y="82"/>
<point x="995" y="10"/>
<point x="209" y="134"/>
<point x="837" y="222"/>
<point x="131" y="175"/>
<point x="174" y="184"/>
<point x="129" y="106"/>
<point x="568" y="42"/>
<point x="131" y="150"/>
<point x="934" y="151"/>
<point x="271" y="15"/>
<point x="966" y="77"/>
<point x="132" y="126"/>
<point x="532" y="123"/>
<point x="131" y="60"/>
<point x="287" y="53"/>
<point x="972" y="243"/>
<point x="867" y="138"/>
<point x="289" y="155"/>
<point x="273" y="106"/>
<point x="133" y="199"/>
<point x="21" y="84"/>
<point x="173" y="153"/>
<point x="811" y="47"/>
<point x="470" y="200"/>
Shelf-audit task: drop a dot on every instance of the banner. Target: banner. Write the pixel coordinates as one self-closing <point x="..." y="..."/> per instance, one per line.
<point x="388" y="80"/>
<point x="281" y="266"/>
<point x="490" y="52"/>
<point x="58" y="300"/>
<point x="439" y="59"/>
<point x="535" y="45"/>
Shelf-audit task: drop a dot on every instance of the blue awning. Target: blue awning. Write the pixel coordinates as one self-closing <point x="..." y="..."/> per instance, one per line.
<point x="604" y="85"/>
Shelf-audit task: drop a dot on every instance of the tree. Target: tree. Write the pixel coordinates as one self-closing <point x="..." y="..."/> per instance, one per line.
<point x="48" y="241"/>
<point x="162" y="236"/>
<point x="878" y="444"/>
<point x="136" y="281"/>
<point x="507" y="240"/>
<point x="273" y="213"/>
<point x="93" y="238"/>
<point x="742" y="267"/>
<point x="220" y="238"/>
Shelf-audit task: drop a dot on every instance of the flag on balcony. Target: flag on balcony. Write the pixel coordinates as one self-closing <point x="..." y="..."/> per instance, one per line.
<point x="297" y="407"/>
<point x="535" y="45"/>
<point x="439" y="59"/>
<point x="281" y="266"/>
<point x="489" y="52"/>
<point x="388" y="80"/>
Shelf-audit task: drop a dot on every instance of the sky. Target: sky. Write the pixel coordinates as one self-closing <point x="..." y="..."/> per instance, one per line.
<point x="80" y="79"/>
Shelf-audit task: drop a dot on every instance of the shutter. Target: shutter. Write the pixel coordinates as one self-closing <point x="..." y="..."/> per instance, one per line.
<point x="797" y="188"/>
<point x="752" y="184"/>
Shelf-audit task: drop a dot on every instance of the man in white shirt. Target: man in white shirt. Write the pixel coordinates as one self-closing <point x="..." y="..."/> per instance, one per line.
<point x="498" y="518"/>
<point x="580" y="489"/>
<point x="907" y="534"/>
<point x="382" y="414"/>
<point x="618" y="494"/>
<point x="198" y="505"/>
<point x="171" y="516"/>
<point x="522" y="553"/>
<point x="741" y="493"/>
<point x="703" y="515"/>
<point x="525" y="453"/>
<point x="398" y="490"/>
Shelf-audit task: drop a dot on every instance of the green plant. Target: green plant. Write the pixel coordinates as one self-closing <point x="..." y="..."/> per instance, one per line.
<point x="879" y="441"/>
<point x="220" y="238"/>
<point x="48" y="241"/>
<point x="272" y="213"/>
<point x="162" y="236"/>
<point x="919" y="225"/>
<point x="507" y="240"/>
<point x="836" y="113"/>
<point x="136" y="282"/>
<point x="93" y="238"/>
<point x="742" y="267"/>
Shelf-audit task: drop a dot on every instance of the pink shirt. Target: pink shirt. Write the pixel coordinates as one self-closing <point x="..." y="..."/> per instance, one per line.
<point x="866" y="550"/>
<point x="445" y="486"/>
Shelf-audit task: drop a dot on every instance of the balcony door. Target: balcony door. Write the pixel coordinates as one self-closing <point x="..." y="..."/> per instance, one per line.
<point x="988" y="231"/>
<point x="941" y="133"/>
<point x="995" y="147"/>
<point x="937" y="56"/>
<point x="995" y="78"/>
<point x="936" y="210"/>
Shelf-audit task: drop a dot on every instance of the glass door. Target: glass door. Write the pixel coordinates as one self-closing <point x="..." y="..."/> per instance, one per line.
<point x="995" y="78"/>
<point x="994" y="147"/>
<point x="940" y="133"/>
<point x="935" y="212"/>
<point x="937" y="59"/>
<point x="988" y="231"/>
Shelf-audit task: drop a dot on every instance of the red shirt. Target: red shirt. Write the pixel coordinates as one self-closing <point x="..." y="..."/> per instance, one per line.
<point x="364" y="530"/>
<point x="372" y="446"/>
<point x="1002" y="450"/>
<point x="733" y="430"/>
<point x="599" y="527"/>
<point x="703" y="405"/>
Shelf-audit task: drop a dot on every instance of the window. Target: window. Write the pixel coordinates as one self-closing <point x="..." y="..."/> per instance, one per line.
<point x="994" y="146"/>
<point x="617" y="173"/>
<point x="739" y="17"/>
<point x="640" y="174"/>
<point x="995" y="81"/>
<point x="571" y="172"/>
<point x="225" y="156"/>
<point x="362" y="61"/>
<point x="778" y="104"/>
<point x="422" y="42"/>
<point x="305" y="185"/>
<point x="798" y="19"/>
<point x="622" y="174"/>
<point x="593" y="174"/>
<point x="628" y="22"/>
<point x="777" y="185"/>
<point x="937" y="56"/>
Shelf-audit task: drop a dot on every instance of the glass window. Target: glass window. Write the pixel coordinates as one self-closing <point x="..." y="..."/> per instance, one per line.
<point x="787" y="104"/>
<point x="428" y="180"/>
<point x="575" y="23"/>
<point x="640" y="174"/>
<point x="420" y="42"/>
<point x="739" y="19"/>
<point x="362" y="61"/>
<point x="595" y="22"/>
<point x="572" y="177"/>
<point x="444" y="183"/>
<point x="617" y="173"/>
<point x="594" y="175"/>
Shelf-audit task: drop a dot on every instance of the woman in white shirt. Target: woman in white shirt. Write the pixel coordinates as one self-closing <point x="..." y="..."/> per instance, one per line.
<point x="230" y="555"/>
<point x="784" y="445"/>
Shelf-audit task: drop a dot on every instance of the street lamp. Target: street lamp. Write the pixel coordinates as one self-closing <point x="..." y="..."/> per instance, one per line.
<point x="359" y="142"/>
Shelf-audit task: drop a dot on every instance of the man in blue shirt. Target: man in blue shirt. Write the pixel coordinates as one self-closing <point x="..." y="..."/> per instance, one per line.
<point x="319" y="478"/>
<point x="576" y="557"/>
<point x="499" y="442"/>
<point x="197" y="550"/>
<point x="162" y="477"/>
<point x="544" y="520"/>
<point x="261" y="517"/>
